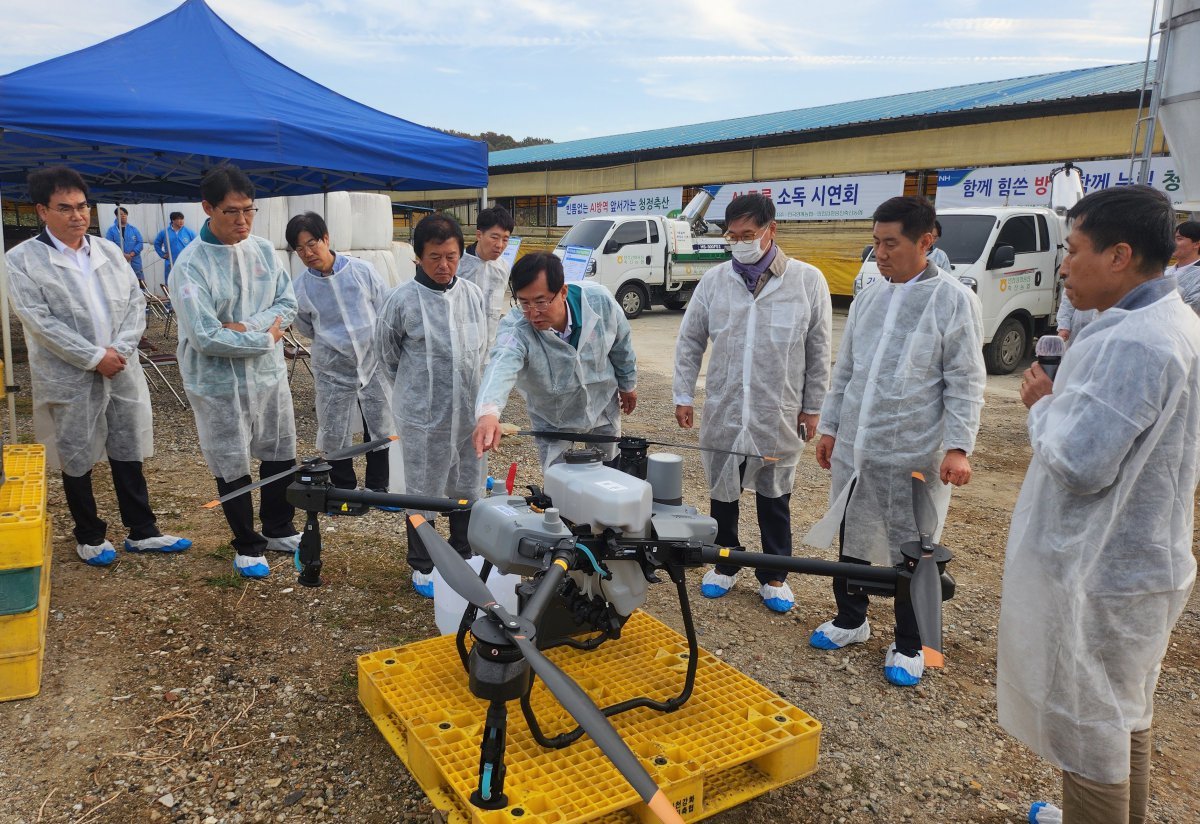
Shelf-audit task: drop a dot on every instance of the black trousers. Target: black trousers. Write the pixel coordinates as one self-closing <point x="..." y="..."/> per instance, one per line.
<point x="852" y="608"/>
<point x="418" y="555"/>
<point x="133" y="501"/>
<point x="274" y="510"/>
<point x="343" y="476"/>
<point x="774" y="529"/>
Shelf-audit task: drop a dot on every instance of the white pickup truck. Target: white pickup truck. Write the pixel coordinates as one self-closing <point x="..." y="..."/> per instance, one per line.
<point x="648" y="260"/>
<point x="1010" y="257"/>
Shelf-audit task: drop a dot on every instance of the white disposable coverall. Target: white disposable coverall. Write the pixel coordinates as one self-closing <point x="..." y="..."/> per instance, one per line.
<point x="1099" y="560"/>
<point x="80" y="415"/>
<point x="431" y="347"/>
<point x="907" y="386"/>
<point x="565" y="389"/>
<point x="769" y="363"/>
<point x="338" y="312"/>
<point x="1072" y="319"/>
<point x="491" y="276"/>
<point x="1187" y="278"/>
<point x="236" y="381"/>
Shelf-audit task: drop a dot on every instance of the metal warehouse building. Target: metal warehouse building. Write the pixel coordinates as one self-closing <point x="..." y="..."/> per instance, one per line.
<point x="1083" y="114"/>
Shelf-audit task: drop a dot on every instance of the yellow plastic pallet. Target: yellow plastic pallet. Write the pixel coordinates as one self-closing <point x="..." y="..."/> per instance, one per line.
<point x="23" y="639"/>
<point x="20" y="633"/>
<point x="22" y="506"/>
<point x="732" y="741"/>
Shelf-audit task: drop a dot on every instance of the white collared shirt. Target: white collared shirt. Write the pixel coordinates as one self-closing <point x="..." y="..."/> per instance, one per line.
<point x="89" y="286"/>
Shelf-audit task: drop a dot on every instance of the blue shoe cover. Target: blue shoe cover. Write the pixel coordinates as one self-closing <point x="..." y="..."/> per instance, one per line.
<point x="777" y="599"/>
<point x="100" y="555"/>
<point x="715" y="584"/>
<point x="161" y="543"/>
<point x="251" y="566"/>
<point x="903" y="670"/>
<point x="1043" y="812"/>
<point x="423" y="583"/>
<point x="830" y="637"/>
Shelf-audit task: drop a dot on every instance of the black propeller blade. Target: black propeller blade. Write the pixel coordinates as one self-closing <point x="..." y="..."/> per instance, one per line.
<point x="460" y="577"/>
<point x="591" y="437"/>
<point x="353" y="451"/>
<point x="926" y="586"/>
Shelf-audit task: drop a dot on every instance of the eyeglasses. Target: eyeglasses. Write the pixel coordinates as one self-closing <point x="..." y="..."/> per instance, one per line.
<point x="311" y="246"/>
<point x="66" y="210"/>
<point x="540" y="304"/>
<point x="745" y="237"/>
<point x="247" y="213"/>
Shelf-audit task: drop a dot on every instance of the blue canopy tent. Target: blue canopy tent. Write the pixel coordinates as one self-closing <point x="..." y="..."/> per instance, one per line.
<point x="144" y="115"/>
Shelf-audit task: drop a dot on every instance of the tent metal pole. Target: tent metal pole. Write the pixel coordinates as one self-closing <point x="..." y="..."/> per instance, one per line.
<point x="483" y="198"/>
<point x="7" y="332"/>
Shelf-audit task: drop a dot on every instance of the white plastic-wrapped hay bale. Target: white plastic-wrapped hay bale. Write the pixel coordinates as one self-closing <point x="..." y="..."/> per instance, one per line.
<point x="406" y="261"/>
<point x="339" y="219"/>
<point x="281" y="257"/>
<point x="386" y="266"/>
<point x="372" y="216"/>
<point x="295" y="265"/>
<point x="299" y="204"/>
<point x="271" y="220"/>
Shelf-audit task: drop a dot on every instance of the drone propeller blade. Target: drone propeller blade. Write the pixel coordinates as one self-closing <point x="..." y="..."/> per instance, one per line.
<point x="673" y="445"/>
<point x="925" y="588"/>
<point x="456" y="572"/>
<point x="578" y="437"/>
<point x="580" y="707"/>
<point x="336" y="456"/>
<point x="924" y="511"/>
<point x="591" y="437"/>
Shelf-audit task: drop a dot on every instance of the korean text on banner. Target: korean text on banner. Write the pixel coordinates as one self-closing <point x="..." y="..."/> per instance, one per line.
<point x="824" y="198"/>
<point x="574" y="208"/>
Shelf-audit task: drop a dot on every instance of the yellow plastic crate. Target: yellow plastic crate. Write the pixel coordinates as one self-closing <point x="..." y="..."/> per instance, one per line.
<point x="23" y="639"/>
<point x="733" y="740"/>
<point x="20" y="634"/>
<point x="22" y="506"/>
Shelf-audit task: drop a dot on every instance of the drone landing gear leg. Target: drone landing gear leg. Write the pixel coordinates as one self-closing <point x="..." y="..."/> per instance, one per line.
<point x="308" y="556"/>
<point x="490" y="793"/>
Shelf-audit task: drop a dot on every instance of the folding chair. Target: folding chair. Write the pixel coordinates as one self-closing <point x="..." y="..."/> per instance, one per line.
<point x="169" y="309"/>
<point x="295" y="352"/>
<point x="154" y="362"/>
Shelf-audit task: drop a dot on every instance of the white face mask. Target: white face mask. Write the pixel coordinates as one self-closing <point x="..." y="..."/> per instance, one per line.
<point x="746" y="251"/>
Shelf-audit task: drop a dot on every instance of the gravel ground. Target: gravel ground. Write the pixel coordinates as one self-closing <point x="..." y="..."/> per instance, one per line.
<point x="175" y="691"/>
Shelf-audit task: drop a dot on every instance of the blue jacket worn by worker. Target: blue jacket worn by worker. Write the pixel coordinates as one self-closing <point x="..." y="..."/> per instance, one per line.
<point x="236" y="382"/>
<point x="1099" y="564"/>
<point x="178" y="240"/>
<point x="129" y="239"/>
<point x="568" y="385"/>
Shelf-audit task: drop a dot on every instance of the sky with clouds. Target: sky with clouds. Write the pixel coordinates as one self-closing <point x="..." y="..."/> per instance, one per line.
<point x="564" y="69"/>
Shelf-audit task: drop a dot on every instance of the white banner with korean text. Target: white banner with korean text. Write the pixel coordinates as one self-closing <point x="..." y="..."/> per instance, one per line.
<point x="574" y="208"/>
<point x="817" y="198"/>
<point x="1030" y="185"/>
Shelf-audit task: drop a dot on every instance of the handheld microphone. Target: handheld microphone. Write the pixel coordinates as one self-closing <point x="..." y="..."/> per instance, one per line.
<point x="1049" y="351"/>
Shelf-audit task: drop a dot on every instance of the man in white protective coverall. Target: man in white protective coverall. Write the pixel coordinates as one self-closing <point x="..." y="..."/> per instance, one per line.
<point x="905" y="397"/>
<point x="568" y="350"/>
<point x="769" y="319"/>
<point x="484" y="267"/>
<point x="431" y="336"/>
<point x="83" y="314"/>
<point x="233" y="300"/>
<point x="338" y="298"/>
<point x="1186" y="270"/>
<point x="1099" y="565"/>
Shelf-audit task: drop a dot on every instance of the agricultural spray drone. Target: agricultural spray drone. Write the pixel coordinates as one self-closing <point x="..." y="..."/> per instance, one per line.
<point x="589" y="544"/>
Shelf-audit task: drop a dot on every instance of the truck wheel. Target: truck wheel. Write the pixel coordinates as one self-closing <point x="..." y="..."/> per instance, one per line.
<point x="676" y="303"/>
<point x="1008" y="347"/>
<point x="633" y="299"/>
